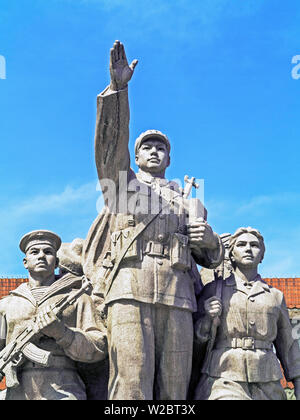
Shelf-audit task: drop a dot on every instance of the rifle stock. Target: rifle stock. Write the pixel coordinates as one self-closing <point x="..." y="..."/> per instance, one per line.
<point x="21" y="348"/>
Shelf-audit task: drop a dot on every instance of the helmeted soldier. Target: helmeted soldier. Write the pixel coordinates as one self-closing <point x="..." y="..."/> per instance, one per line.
<point x="144" y="238"/>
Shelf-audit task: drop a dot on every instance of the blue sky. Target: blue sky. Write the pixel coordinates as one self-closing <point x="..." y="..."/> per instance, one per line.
<point x="214" y="75"/>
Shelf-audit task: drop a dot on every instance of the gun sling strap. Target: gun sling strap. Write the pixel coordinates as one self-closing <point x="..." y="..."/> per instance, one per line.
<point x="138" y="231"/>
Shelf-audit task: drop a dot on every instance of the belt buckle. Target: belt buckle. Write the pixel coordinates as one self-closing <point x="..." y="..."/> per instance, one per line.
<point x="248" y="343"/>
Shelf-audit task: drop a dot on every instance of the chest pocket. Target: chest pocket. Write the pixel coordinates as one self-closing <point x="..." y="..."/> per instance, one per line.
<point x="118" y="239"/>
<point x="263" y="315"/>
<point x="138" y="198"/>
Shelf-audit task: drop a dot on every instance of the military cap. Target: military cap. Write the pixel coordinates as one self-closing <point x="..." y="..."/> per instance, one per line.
<point x="151" y="134"/>
<point x="40" y="237"/>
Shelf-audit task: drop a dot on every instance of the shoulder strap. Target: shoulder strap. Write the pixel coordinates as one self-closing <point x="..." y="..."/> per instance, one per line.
<point x="138" y="230"/>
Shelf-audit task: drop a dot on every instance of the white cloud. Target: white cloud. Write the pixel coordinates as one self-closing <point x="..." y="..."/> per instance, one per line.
<point x="261" y="202"/>
<point x="51" y="203"/>
<point x="2" y="67"/>
<point x="69" y="213"/>
<point x="180" y="20"/>
<point x="256" y="206"/>
<point x="276" y="216"/>
<point x="282" y="254"/>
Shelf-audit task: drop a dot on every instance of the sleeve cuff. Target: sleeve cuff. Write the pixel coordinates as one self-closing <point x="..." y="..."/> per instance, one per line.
<point x="216" y="255"/>
<point x="108" y="91"/>
<point x="66" y="339"/>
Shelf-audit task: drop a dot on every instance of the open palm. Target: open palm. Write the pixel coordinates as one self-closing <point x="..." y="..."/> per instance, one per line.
<point x="120" y="71"/>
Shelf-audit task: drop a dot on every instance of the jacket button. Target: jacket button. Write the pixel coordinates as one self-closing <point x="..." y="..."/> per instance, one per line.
<point x="159" y="261"/>
<point x="252" y="299"/>
<point x="252" y="323"/>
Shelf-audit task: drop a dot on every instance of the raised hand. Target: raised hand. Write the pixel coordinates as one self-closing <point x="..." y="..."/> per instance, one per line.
<point x="120" y="71"/>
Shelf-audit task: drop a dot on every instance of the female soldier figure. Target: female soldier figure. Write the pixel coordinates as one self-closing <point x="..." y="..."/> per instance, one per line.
<point x="253" y="318"/>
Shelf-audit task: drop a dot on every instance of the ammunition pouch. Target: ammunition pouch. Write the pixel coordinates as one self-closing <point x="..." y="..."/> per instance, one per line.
<point x="180" y="252"/>
<point x="177" y="249"/>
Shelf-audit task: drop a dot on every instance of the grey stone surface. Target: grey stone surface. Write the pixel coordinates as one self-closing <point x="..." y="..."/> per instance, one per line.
<point x="224" y="270"/>
<point x="152" y="296"/>
<point x="148" y="330"/>
<point x="252" y="318"/>
<point x="76" y="335"/>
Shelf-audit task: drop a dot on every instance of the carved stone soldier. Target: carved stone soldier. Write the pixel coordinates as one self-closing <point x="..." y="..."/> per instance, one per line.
<point x="253" y="318"/>
<point x="151" y="298"/>
<point x="77" y="336"/>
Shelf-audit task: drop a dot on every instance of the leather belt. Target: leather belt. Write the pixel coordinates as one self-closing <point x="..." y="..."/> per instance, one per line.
<point x="245" y="343"/>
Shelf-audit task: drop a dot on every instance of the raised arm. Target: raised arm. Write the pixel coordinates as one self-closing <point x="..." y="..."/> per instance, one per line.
<point x="206" y="246"/>
<point x="112" y="124"/>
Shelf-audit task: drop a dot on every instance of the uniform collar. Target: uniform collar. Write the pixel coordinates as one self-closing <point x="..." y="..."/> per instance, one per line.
<point x="59" y="285"/>
<point x="259" y="285"/>
<point x="150" y="180"/>
<point x="24" y="291"/>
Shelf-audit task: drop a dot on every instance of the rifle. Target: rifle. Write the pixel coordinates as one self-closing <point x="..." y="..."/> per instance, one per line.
<point x="216" y="321"/>
<point x="14" y="354"/>
<point x="196" y="208"/>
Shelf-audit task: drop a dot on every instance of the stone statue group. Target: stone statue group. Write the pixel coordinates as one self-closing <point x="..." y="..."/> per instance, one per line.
<point x="128" y="316"/>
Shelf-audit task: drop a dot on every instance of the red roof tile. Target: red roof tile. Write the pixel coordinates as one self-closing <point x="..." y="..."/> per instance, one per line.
<point x="6" y="285"/>
<point x="290" y="287"/>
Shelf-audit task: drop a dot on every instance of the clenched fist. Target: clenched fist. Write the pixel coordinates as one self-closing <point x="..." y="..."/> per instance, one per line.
<point x="201" y="235"/>
<point x="47" y="323"/>
<point x="213" y="307"/>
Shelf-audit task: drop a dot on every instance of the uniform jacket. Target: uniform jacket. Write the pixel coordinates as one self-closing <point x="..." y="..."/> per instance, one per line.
<point x="84" y="341"/>
<point x="259" y="312"/>
<point x="148" y="276"/>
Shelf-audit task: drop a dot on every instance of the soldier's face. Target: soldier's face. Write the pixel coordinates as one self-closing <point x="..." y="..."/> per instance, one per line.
<point x="247" y="251"/>
<point x="153" y="156"/>
<point x="41" y="259"/>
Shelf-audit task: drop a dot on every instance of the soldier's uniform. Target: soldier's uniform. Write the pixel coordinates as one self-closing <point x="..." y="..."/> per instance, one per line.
<point x="151" y="300"/>
<point x="242" y="364"/>
<point x="84" y="339"/>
